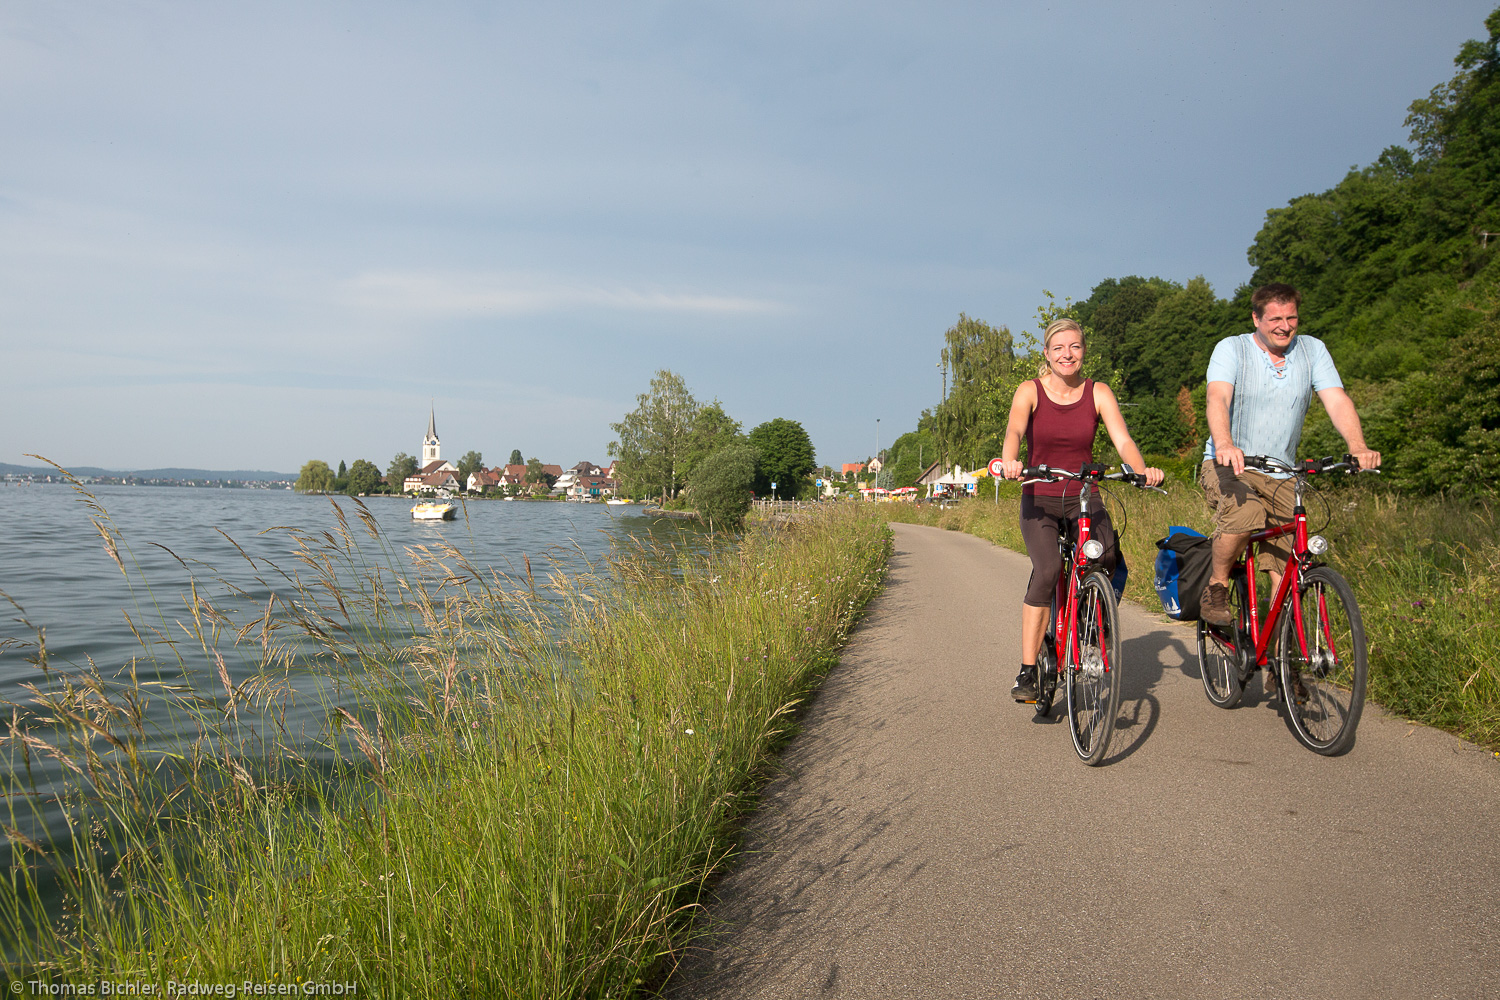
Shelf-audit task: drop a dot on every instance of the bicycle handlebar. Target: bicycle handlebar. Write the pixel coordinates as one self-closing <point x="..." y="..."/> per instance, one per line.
<point x="1091" y="472"/>
<point x="1308" y="466"/>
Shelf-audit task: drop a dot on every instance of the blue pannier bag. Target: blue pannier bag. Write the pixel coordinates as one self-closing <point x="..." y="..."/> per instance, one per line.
<point x="1182" y="569"/>
<point x="1119" y="577"/>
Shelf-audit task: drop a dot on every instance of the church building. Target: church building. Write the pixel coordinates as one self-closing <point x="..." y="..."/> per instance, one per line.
<point x="435" y="474"/>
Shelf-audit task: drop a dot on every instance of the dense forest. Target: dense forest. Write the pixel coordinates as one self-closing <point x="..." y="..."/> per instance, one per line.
<point x="1398" y="266"/>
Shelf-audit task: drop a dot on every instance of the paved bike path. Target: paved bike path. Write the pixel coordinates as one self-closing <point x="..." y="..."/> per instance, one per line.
<point x="927" y="837"/>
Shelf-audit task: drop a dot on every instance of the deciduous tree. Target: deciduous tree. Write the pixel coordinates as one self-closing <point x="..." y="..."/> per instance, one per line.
<point x="472" y="462"/>
<point x="720" y="486"/>
<point x="785" y="457"/>
<point x="363" y="478"/>
<point x="402" y="466"/>
<point x="654" y="441"/>
<point x="970" y="421"/>
<point x="712" y="430"/>
<point x="316" y="477"/>
<point x="910" y="456"/>
<point x="536" y="475"/>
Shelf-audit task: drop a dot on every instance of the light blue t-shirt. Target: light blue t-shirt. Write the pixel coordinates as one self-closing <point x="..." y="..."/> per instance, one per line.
<point x="1270" y="403"/>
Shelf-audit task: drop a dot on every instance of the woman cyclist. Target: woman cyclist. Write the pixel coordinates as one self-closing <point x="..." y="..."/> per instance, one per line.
<point x="1058" y="415"/>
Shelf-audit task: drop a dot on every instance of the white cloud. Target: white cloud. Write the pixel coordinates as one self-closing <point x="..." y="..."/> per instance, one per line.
<point x="419" y="294"/>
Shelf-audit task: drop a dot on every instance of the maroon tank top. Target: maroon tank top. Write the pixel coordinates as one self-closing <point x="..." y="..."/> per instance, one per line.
<point x="1061" y="437"/>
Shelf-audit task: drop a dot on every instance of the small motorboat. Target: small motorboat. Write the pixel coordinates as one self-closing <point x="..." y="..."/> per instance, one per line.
<point x="615" y="502"/>
<point x="434" y="510"/>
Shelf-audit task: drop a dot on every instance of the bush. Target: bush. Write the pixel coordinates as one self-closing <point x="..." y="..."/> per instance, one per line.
<point x="720" y="486"/>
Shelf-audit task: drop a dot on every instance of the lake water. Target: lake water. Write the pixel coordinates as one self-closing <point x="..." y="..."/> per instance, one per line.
<point x="53" y="562"/>
<point x="57" y="574"/>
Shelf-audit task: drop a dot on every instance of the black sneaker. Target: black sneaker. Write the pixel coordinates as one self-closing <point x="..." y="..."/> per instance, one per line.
<point x="1213" y="606"/>
<point x="1025" y="689"/>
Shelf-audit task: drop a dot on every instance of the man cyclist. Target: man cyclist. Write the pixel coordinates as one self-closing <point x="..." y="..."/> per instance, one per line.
<point x="1259" y="387"/>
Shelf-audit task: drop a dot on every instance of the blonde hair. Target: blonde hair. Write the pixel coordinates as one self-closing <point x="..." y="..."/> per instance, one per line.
<point x="1053" y="329"/>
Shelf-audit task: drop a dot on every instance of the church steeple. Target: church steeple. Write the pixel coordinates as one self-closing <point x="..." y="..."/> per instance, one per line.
<point x="431" y="448"/>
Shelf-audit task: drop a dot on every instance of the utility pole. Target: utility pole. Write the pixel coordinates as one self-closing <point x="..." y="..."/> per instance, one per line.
<point x="938" y="421"/>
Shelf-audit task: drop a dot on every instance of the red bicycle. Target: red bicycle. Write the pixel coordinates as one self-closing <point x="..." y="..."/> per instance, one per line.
<point x="1313" y="635"/>
<point x="1085" y="624"/>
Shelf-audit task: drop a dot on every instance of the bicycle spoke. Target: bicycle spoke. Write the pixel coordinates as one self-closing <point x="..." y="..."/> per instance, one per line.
<point x="1221" y="658"/>
<point x="1093" y="670"/>
<point x="1321" y="661"/>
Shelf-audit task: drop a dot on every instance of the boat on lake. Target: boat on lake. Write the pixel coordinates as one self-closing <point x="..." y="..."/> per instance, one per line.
<point x="434" y="510"/>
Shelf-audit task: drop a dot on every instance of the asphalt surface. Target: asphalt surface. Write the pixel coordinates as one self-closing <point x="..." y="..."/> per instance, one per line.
<point x="927" y="837"/>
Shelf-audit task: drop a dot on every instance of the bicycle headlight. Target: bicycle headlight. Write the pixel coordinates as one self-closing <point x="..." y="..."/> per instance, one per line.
<point x="1317" y="544"/>
<point x="1093" y="549"/>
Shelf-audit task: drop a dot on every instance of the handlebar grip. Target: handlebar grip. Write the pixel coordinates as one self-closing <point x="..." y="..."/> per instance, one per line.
<point x="1036" y="472"/>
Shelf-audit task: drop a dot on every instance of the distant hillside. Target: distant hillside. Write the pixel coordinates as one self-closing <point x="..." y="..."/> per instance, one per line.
<point x="238" y="475"/>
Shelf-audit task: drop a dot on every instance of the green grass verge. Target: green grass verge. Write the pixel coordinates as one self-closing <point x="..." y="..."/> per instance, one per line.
<point x="1426" y="574"/>
<point x="525" y="803"/>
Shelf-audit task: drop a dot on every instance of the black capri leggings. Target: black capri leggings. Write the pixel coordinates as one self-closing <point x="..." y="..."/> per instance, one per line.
<point x="1042" y="519"/>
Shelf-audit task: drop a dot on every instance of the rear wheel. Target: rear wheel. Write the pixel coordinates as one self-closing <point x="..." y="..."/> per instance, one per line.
<point x="1322" y="663"/>
<point x="1222" y="651"/>
<point x="1093" y="680"/>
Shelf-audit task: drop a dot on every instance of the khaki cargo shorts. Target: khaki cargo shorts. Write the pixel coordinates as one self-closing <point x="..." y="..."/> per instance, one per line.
<point x="1250" y="502"/>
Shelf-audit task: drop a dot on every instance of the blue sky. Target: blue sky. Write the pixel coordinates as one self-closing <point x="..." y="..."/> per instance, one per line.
<point x="241" y="235"/>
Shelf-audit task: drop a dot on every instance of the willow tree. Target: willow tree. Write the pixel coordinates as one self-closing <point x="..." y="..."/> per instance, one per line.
<point x="316" y="477"/>
<point x="969" y="423"/>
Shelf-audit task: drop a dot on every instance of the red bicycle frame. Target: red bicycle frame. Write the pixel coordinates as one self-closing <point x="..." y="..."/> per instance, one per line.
<point x="1261" y="638"/>
<point x="1065" y="627"/>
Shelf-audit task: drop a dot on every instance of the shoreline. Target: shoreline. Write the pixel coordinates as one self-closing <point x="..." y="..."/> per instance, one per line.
<point x="586" y="798"/>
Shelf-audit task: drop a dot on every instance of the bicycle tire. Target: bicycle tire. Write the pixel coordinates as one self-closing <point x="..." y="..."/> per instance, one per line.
<point x="1323" y="693"/>
<point x="1093" y="681"/>
<point x="1221" y="663"/>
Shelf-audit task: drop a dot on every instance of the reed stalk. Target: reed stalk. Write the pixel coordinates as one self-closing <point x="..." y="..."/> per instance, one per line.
<point x="418" y="776"/>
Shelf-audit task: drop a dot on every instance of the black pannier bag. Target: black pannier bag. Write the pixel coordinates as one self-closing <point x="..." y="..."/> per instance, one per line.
<point x="1182" y="569"/>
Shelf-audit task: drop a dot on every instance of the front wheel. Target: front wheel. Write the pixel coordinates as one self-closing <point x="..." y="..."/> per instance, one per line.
<point x="1223" y="651"/>
<point x="1321" y="662"/>
<point x="1092" y="669"/>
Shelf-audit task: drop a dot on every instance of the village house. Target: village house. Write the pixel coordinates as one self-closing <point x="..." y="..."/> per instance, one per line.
<point x="592" y="488"/>
<point x="567" y="482"/>
<point x="485" y="479"/>
<point x="510" y="475"/>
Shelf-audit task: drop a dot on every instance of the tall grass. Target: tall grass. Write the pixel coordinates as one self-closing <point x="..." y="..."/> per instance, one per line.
<point x="520" y="795"/>
<point x="1426" y="574"/>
